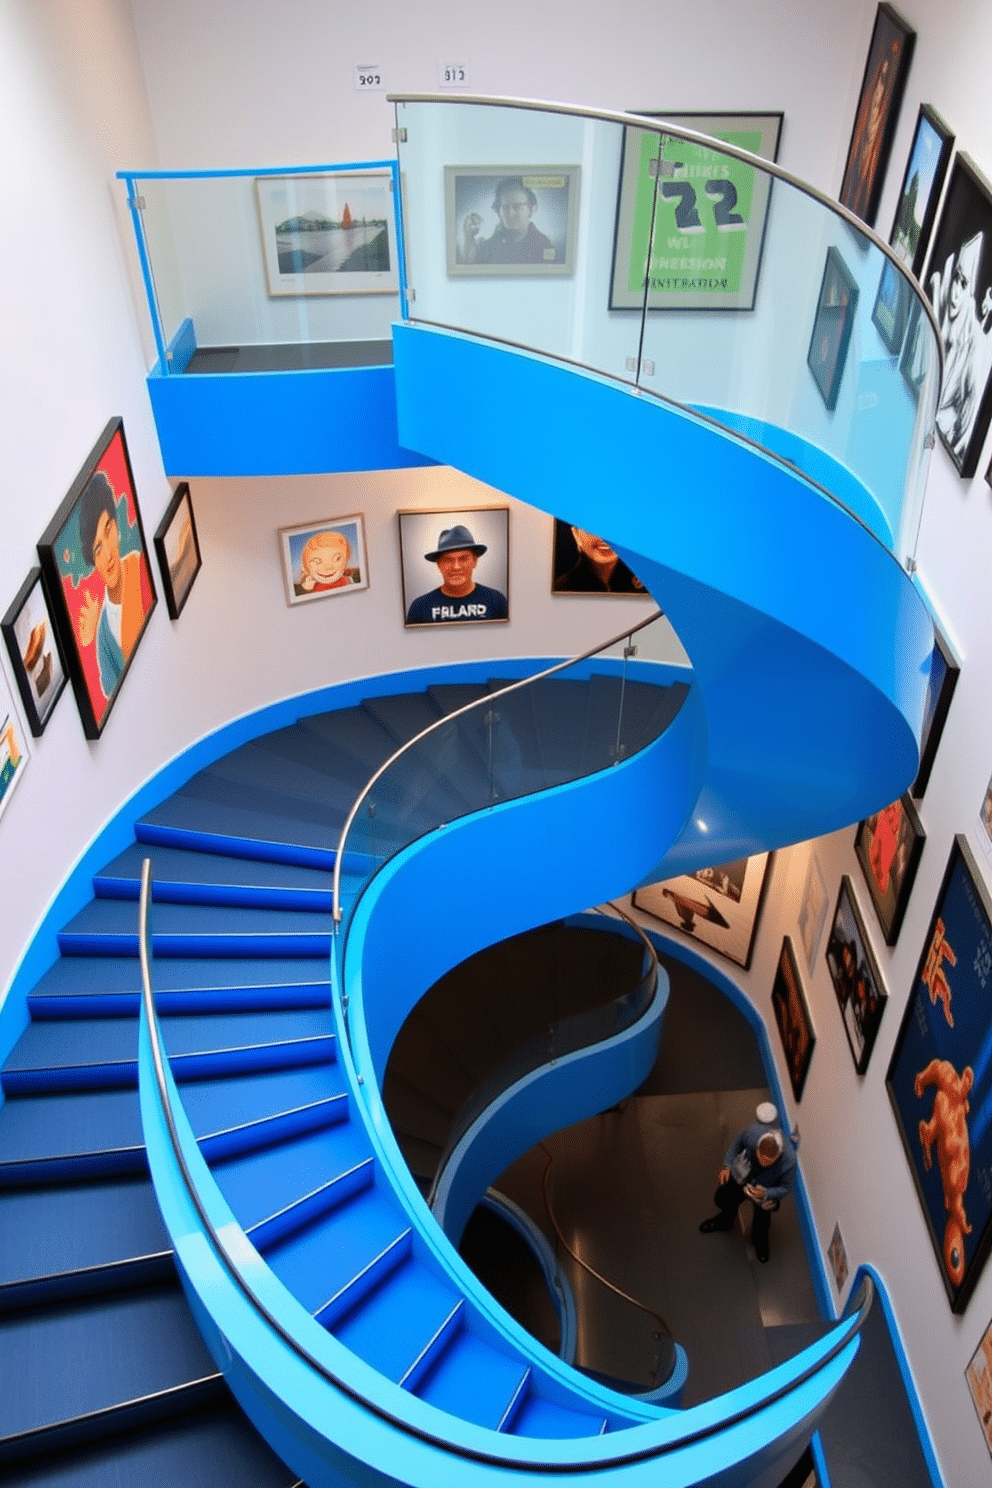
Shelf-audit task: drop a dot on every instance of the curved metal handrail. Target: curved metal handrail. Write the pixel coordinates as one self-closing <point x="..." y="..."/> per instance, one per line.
<point x="488" y="700"/>
<point x="224" y="1253"/>
<point x="654" y="125"/>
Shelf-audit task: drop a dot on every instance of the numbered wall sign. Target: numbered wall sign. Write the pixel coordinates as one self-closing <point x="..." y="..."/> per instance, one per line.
<point x="710" y="215"/>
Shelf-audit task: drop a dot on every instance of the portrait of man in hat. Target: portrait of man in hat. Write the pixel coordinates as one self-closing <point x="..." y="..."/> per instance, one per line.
<point x="455" y="549"/>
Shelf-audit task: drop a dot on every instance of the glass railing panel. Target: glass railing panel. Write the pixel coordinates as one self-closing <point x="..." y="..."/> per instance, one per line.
<point x="289" y="258"/>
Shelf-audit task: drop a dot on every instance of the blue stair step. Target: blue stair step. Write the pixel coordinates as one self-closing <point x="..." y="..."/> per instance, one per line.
<point x="561" y="707"/>
<point x="110" y="927"/>
<point x="110" y="986"/>
<point x="180" y="876"/>
<point x="356" y="745"/>
<point x="404" y="1325"/>
<point x="185" y="820"/>
<point x="46" y="1139"/>
<point x="476" y="1382"/>
<point x="103" y="1053"/>
<point x="403" y="715"/>
<point x="283" y="782"/>
<point x="79" y="1238"/>
<point x="74" y="1371"/>
<point x="236" y="1115"/>
<point x="543" y="1418"/>
<point x="449" y="696"/>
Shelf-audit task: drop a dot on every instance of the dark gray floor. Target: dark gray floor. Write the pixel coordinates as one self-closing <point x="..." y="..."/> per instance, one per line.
<point x="296" y="356"/>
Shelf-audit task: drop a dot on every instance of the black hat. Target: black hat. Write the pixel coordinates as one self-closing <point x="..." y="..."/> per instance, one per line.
<point x="453" y="538"/>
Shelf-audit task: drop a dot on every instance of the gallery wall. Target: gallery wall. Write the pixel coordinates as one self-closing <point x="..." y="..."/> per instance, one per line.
<point x="94" y="86"/>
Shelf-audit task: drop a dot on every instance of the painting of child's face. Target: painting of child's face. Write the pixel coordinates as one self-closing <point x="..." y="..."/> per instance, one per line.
<point x="326" y="560"/>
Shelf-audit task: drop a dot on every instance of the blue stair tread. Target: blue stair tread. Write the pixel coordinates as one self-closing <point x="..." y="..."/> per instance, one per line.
<point x="78" y="1228"/>
<point x="450" y="696"/>
<point x="191" y="877"/>
<point x="113" y="984"/>
<point x="257" y="771"/>
<point x="473" y="1380"/>
<point x="561" y="707"/>
<point x="187" y="822"/>
<point x="261" y="1184"/>
<point x="542" y="1418"/>
<point x="302" y="745"/>
<point x="111" y="925"/>
<point x="317" y="1263"/>
<point x="62" y="1362"/>
<point x="210" y="789"/>
<point x="215" y="1449"/>
<point x="220" y="1105"/>
<point x="395" y="1324"/>
<point x="54" y="1129"/>
<point x="355" y="735"/>
<point x="403" y="714"/>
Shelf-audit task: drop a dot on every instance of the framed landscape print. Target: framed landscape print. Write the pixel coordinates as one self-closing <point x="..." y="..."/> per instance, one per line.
<point x="889" y="845"/>
<point x="14" y="753"/>
<point x="959" y="284"/>
<point x="886" y="68"/>
<point x="832" y="327"/>
<point x="178" y="550"/>
<point x="922" y="183"/>
<point x="510" y="219"/>
<point x="328" y="234"/>
<point x="454" y="566"/>
<point x="795" y="1026"/>
<point x="916" y="350"/>
<point x="854" y="972"/>
<point x="944" y="673"/>
<point x="583" y="563"/>
<point x="97" y="576"/>
<point x="709" y="219"/>
<point x="717" y="906"/>
<point x="323" y="559"/>
<point x="940" y="1076"/>
<point x="35" y="653"/>
<point x="892" y="306"/>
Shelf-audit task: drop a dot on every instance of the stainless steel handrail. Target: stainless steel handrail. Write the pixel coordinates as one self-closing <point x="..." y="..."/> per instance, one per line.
<point x="469" y="1454"/>
<point x="658" y="126"/>
<point x="439" y="723"/>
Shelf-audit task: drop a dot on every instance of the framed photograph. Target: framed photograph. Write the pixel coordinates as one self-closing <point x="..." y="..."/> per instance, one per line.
<point x="837" y="1256"/>
<point x="717" y="906"/>
<point x="938" y="1078"/>
<point x="854" y="972"/>
<point x="886" y="69"/>
<point x="582" y="563"/>
<point x="324" y="559"/>
<point x="795" y="1026"/>
<point x="510" y="219"/>
<point x="892" y="306"/>
<point x="959" y="284"/>
<point x="914" y="359"/>
<point x="979" y="1377"/>
<point x="944" y="673"/>
<point x="889" y="846"/>
<point x="178" y="550"/>
<point x="709" y="219"/>
<point x="812" y="911"/>
<point x="922" y="183"/>
<point x="14" y="752"/>
<point x="985" y="819"/>
<point x="35" y="653"/>
<point x="455" y="566"/>
<point x="329" y="234"/>
<point x="832" y="327"/>
<point x="95" y="566"/>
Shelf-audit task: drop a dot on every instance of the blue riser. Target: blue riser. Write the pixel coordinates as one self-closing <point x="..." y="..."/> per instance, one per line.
<point x="65" y="1138"/>
<point x="109" y="986"/>
<point x="198" y="878"/>
<point x="263" y="1185"/>
<point x="475" y="1382"/>
<point x="404" y="1325"/>
<point x="185" y="1067"/>
<point x="110" y="927"/>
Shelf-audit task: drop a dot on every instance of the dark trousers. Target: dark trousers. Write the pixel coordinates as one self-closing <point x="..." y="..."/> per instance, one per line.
<point x="728" y="1199"/>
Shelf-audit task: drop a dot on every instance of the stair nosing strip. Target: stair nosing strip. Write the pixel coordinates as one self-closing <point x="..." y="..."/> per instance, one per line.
<point x="260" y="1121"/>
<point x="513" y="1405"/>
<point x="132" y="1060"/>
<point x="443" y="1327"/>
<point x="365" y="1162"/>
<point x="343" y="1291"/>
<point x="81" y="1271"/>
<point x="9" y="1445"/>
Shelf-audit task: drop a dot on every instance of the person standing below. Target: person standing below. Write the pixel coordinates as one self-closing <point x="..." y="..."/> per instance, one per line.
<point x="760" y="1165"/>
<point x="458" y="596"/>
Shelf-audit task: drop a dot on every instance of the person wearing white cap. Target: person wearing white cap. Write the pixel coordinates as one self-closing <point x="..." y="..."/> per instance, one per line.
<point x="458" y="597"/>
<point x="953" y="292"/>
<point x="760" y="1165"/>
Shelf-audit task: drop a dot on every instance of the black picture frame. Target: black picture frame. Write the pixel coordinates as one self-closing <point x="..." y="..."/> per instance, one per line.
<point x="719" y="907"/>
<point x="888" y="845"/>
<point x="35" y="651"/>
<point x="959" y="273"/>
<point x="832" y="326"/>
<point x="177" y="547"/>
<point x="944" y="673"/>
<point x="890" y="53"/>
<point x="580" y="570"/>
<point x="857" y="981"/>
<point x="792" y="1016"/>
<point x="98" y="662"/>
<point x="938" y="1076"/>
<point x="927" y="162"/>
<point x="915" y="356"/>
<point x="890" y="312"/>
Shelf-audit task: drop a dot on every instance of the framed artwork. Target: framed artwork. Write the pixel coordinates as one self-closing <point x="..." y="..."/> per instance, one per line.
<point x="892" y="305"/>
<point x="95" y="566"/>
<point x="922" y="183"/>
<point x="837" y="1256"/>
<point x="323" y="559"/>
<point x="916" y="358"/>
<point x="510" y="219"/>
<point x="454" y="566"/>
<point x="795" y="1026"/>
<point x="939" y="1076"/>
<point x="979" y="1377"/>
<point x="944" y="673"/>
<point x="889" y="846"/>
<point x="832" y="327"/>
<point x="583" y="563"/>
<point x="985" y="819"/>
<point x="708" y="220"/>
<point x="854" y="972"/>
<point x="14" y="752"/>
<point x="717" y="906"/>
<point x="886" y="69"/>
<point x="959" y="284"/>
<point x="35" y="653"/>
<point x="178" y="550"/>
<point x="812" y="911"/>
<point x="328" y="234"/>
